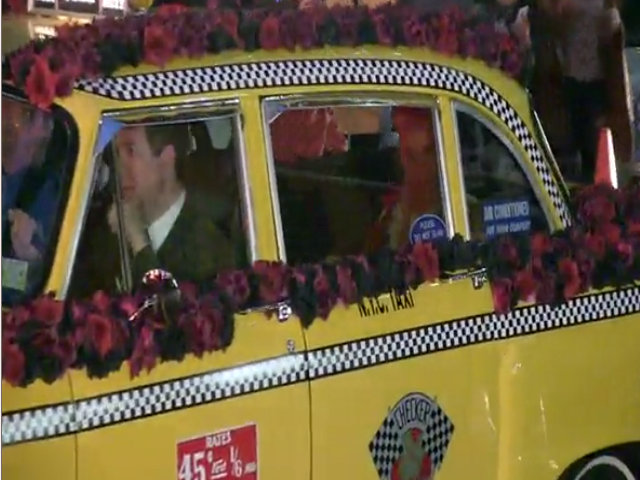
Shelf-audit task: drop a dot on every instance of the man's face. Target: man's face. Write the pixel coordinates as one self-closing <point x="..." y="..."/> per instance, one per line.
<point x="141" y="172"/>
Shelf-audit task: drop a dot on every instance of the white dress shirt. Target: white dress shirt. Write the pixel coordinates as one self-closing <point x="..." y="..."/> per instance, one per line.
<point x="161" y="227"/>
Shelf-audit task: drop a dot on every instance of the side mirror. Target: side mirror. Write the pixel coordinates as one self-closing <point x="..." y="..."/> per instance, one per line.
<point x="161" y="293"/>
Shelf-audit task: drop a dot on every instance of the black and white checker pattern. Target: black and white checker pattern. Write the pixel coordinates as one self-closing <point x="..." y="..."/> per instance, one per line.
<point x="437" y="436"/>
<point x="468" y="331"/>
<point x="385" y="447"/>
<point x="27" y="425"/>
<point x="51" y="421"/>
<point x="152" y="400"/>
<point x="330" y="72"/>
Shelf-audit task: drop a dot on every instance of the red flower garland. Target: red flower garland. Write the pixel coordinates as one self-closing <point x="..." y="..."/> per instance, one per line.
<point x="42" y="339"/>
<point x="50" y="68"/>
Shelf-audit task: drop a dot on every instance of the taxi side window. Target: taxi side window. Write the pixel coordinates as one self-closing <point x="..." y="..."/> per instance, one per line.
<point x="353" y="179"/>
<point x="170" y="198"/>
<point x="499" y="197"/>
<point x="38" y="154"/>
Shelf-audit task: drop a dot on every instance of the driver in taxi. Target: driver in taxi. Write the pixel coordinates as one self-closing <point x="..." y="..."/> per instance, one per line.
<point x="166" y="225"/>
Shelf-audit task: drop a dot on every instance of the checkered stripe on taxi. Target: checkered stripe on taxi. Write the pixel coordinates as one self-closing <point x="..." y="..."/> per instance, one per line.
<point x="154" y="399"/>
<point x="480" y="329"/>
<point x="329" y="72"/>
<point x="218" y="385"/>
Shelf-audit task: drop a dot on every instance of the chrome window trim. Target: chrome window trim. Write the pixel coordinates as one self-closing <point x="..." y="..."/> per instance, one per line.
<point x="444" y="184"/>
<point x="207" y="109"/>
<point x="490" y="124"/>
<point x="357" y="99"/>
<point x="463" y="185"/>
<point x="273" y="184"/>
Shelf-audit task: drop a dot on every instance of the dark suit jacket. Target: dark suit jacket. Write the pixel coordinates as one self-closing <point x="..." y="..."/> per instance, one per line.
<point x="196" y="248"/>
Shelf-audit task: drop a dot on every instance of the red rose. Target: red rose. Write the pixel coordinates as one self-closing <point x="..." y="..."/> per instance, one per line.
<point x="570" y="276"/>
<point x="273" y="281"/>
<point x="611" y="233"/>
<point x="13" y="362"/>
<point x="269" y="35"/>
<point x="415" y="32"/>
<point x="236" y="285"/>
<point x="47" y="310"/>
<point x="325" y="298"/>
<point x="159" y="44"/>
<point x="502" y="290"/>
<point x="425" y="256"/>
<point x="229" y="23"/>
<point x="525" y="284"/>
<point x="41" y="83"/>
<point x="596" y="244"/>
<point x="203" y="327"/>
<point x="101" y="301"/>
<point x="98" y="333"/>
<point x="384" y="28"/>
<point x="66" y="351"/>
<point x="145" y="352"/>
<point x="540" y="244"/>
<point x="625" y="252"/>
<point x="14" y="319"/>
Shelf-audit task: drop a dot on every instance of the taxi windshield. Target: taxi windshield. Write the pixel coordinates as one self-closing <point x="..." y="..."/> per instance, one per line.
<point x="35" y="160"/>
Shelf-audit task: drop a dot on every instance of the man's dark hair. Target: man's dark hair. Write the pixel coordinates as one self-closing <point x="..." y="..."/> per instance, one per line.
<point x="178" y="135"/>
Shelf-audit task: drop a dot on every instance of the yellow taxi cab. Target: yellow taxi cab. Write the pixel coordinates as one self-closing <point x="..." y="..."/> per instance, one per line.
<point x="342" y="222"/>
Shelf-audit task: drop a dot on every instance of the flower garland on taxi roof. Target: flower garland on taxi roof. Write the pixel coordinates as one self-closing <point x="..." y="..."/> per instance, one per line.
<point x="46" y="69"/>
<point x="44" y="338"/>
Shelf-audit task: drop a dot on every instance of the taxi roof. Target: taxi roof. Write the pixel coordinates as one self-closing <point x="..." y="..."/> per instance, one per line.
<point x="116" y="56"/>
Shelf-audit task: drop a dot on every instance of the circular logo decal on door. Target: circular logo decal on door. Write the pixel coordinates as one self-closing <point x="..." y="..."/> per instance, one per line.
<point x="412" y="441"/>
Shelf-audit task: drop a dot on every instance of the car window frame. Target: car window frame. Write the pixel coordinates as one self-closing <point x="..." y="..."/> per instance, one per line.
<point x="492" y="125"/>
<point x="379" y="98"/>
<point x="62" y="115"/>
<point x="184" y="112"/>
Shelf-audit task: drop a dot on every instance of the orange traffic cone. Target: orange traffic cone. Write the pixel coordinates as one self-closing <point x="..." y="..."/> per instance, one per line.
<point x="606" y="171"/>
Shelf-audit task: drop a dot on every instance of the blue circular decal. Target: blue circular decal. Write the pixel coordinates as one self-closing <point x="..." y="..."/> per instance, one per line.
<point x="427" y="228"/>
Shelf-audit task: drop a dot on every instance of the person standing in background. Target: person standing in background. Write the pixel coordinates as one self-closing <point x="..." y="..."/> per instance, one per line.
<point x="588" y="33"/>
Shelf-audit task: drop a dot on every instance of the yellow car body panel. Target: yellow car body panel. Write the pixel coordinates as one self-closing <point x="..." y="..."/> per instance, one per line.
<point x="525" y="405"/>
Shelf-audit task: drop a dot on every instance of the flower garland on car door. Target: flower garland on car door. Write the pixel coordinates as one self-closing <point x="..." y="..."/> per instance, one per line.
<point x="45" y="337"/>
